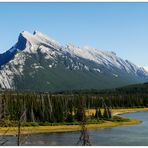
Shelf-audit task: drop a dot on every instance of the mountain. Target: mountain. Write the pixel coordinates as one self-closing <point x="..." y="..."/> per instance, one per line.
<point x="37" y="62"/>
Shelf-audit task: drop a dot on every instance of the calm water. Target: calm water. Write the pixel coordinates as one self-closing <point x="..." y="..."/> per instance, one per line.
<point x="135" y="135"/>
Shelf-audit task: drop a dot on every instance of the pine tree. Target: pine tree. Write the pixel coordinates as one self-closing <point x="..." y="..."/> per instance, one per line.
<point x="109" y="112"/>
<point x="105" y="114"/>
<point x="97" y="116"/>
<point x="100" y="114"/>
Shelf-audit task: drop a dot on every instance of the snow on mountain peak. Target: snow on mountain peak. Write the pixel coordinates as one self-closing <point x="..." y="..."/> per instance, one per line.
<point x="146" y="68"/>
<point x="31" y="42"/>
<point x="44" y="38"/>
<point x="13" y="61"/>
<point x="30" y="37"/>
<point x="109" y="59"/>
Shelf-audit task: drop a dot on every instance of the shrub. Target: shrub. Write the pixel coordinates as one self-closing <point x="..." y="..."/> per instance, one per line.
<point x="119" y="119"/>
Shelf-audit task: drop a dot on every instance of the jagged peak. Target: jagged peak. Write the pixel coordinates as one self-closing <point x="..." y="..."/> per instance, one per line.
<point x="39" y="38"/>
<point x="70" y="45"/>
<point x="86" y="47"/>
<point x="25" y="33"/>
<point x="92" y="49"/>
<point x="34" y="32"/>
<point x="38" y="33"/>
<point x="45" y="38"/>
<point x="29" y="37"/>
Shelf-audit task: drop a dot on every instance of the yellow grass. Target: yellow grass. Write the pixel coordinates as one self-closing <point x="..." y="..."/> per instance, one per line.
<point x="118" y="111"/>
<point x="64" y="128"/>
<point x="68" y="128"/>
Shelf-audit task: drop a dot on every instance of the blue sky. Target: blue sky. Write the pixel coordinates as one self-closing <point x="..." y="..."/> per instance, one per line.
<point x="118" y="27"/>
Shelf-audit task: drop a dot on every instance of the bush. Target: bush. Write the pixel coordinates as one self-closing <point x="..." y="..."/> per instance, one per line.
<point x="70" y="118"/>
<point x="119" y="119"/>
<point x="8" y="123"/>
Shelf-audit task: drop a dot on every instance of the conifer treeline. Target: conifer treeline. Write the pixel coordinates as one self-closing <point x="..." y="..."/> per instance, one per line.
<point x="42" y="107"/>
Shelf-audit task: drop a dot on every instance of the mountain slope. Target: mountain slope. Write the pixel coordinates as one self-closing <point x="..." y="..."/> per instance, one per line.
<point x="37" y="62"/>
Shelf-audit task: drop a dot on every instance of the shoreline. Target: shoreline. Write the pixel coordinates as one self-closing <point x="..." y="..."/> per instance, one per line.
<point x="124" y="111"/>
<point x="70" y="128"/>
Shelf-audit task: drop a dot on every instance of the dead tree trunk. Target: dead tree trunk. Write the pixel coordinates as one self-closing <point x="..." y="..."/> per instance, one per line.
<point x="84" y="137"/>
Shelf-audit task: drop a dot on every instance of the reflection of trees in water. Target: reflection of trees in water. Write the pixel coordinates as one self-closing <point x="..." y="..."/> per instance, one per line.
<point x="81" y="113"/>
<point x="83" y="119"/>
<point x="21" y="137"/>
<point x="3" y="139"/>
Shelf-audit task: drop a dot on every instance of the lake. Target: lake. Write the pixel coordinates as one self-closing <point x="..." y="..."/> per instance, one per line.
<point x="133" y="135"/>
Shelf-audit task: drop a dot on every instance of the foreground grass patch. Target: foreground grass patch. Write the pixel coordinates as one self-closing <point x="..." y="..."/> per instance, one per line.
<point x="115" y="121"/>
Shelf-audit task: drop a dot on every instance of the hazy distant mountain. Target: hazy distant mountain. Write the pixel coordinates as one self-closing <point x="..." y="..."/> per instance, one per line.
<point x="37" y="62"/>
